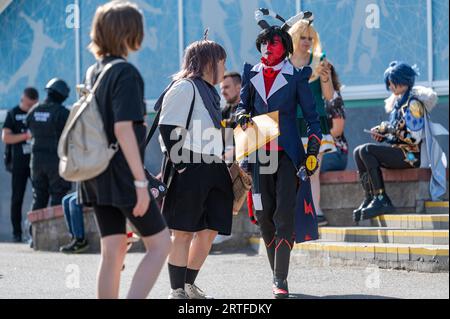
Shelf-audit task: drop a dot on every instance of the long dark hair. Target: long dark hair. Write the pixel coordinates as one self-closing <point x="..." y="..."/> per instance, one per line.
<point x="198" y="57"/>
<point x="335" y="79"/>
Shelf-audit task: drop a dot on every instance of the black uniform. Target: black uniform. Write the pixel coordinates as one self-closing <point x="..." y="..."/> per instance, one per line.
<point x="15" y="121"/>
<point x="46" y="123"/>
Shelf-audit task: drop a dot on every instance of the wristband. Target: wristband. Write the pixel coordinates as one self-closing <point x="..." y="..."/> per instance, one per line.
<point x="141" y="184"/>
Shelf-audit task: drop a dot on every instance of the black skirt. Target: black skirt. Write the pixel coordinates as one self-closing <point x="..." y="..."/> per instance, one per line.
<point x="200" y="198"/>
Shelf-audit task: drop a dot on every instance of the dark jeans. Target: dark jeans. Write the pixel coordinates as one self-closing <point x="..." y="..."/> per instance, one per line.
<point x="73" y="213"/>
<point x="47" y="184"/>
<point x="335" y="161"/>
<point x="19" y="185"/>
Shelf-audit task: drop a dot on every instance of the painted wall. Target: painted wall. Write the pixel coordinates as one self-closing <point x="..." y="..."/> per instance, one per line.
<point x="37" y="41"/>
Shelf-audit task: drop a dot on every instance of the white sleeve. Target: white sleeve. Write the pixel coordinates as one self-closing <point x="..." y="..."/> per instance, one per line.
<point x="176" y="104"/>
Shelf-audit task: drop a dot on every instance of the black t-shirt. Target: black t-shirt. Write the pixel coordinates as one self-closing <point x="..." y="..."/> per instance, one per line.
<point x="120" y="98"/>
<point x="15" y="121"/>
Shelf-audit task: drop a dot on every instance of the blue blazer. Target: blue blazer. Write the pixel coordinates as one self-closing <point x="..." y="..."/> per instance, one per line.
<point x="290" y="89"/>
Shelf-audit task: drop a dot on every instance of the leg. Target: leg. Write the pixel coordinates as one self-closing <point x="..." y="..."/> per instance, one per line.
<point x="284" y="217"/>
<point x="40" y="188"/>
<point x="66" y="209"/>
<point x="265" y="217"/>
<point x="113" y="251"/>
<point x="112" y="226"/>
<point x="157" y="249"/>
<point x="315" y="187"/>
<point x="365" y="182"/>
<point x="200" y="248"/>
<point x="76" y="218"/>
<point x="178" y="258"/>
<point x="19" y="185"/>
<point x="58" y="186"/>
<point x="375" y="157"/>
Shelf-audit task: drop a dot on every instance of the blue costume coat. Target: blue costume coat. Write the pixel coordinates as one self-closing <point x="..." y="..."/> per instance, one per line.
<point x="290" y="89"/>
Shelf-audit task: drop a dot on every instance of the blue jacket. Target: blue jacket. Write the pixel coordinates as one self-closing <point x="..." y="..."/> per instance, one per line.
<point x="289" y="90"/>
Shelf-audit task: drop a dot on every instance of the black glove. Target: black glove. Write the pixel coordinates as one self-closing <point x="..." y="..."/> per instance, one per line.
<point x="243" y="119"/>
<point x="311" y="162"/>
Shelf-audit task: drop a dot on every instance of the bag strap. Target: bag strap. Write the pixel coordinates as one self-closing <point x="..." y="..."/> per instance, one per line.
<point x="104" y="71"/>
<point x="158" y="114"/>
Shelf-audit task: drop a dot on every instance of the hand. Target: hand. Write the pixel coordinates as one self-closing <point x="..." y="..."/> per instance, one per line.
<point x="311" y="164"/>
<point x="324" y="71"/>
<point x="28" y="136"/>
<point x="243" y="120"/>
<point x="375" y="134"/>
<point x="142" y="203"/>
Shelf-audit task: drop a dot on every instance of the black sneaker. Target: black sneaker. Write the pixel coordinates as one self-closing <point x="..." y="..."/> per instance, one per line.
<point x="75" y="247"/>
<point x="357" y="212"/>
<point x="380" y="205"/>
<point x="280" y="289"/>
<point x="17" y="238"/>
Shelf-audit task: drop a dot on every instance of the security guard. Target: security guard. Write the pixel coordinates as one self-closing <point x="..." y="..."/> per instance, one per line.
<point x="46" y="122"/>
<point x="17" y="140"/>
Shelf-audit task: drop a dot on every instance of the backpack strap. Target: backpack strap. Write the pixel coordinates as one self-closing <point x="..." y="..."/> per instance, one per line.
<point x="104" y="71"/>
<point x="158" y="114"/>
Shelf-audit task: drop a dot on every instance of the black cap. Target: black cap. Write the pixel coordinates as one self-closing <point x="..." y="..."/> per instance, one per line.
<point x="59" y="86"/>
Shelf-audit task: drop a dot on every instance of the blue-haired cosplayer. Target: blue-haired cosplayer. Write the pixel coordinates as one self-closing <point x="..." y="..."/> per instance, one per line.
<point x="283" y="202"/>
<point x="410" y="134"/>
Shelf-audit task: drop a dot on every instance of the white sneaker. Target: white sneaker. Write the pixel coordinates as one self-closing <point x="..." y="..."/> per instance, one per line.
<point x="193" y="292"/>
<point x="221" y="239"/>
<point x="178" y="294"/>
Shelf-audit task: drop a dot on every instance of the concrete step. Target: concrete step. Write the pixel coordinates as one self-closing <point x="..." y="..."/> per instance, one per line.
<point x="436" y="207"/>
<point x="384" y="235"/>
<point x="409" y="221"/>
<point x="412" y="257"/>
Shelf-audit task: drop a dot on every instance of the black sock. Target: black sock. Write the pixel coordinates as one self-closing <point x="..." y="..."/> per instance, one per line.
<point x="177" y="276"/>
<point x="191" y="275"/>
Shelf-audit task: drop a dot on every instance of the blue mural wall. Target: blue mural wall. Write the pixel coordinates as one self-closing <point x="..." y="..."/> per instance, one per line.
<point x="36" y="44"/>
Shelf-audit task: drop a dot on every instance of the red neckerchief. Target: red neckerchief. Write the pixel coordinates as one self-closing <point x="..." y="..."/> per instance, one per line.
<point x="270" y="75"/>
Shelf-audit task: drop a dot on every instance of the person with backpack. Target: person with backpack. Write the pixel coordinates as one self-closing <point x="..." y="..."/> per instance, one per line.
<point x="46" y="122"/>
<point x="199" y="202"/>
<point x="120" y="191"/>
<point x="17" y="155"/>
<point x="411" y="138"/>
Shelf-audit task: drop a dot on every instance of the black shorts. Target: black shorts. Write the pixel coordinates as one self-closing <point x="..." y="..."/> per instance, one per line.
<point x="200" y="198"/>
<point x="112" y="220"/>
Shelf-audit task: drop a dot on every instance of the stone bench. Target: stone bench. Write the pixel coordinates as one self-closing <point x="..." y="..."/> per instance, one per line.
<point x="49" y="229"/>
<point x="341" y="192"/>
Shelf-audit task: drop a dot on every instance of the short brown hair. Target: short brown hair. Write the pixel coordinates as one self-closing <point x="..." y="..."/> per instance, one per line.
<point x="198" y="57"/>
<point x="117" y="27"/>
<point x="235" y="76"/>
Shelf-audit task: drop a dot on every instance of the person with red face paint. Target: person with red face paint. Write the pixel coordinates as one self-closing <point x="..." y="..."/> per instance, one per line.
<point x="276" y="85"/>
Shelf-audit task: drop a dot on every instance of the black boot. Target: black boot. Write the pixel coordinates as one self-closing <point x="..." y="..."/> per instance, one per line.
<point x="365" y="182"/>
<point x="280" y="288"/>
<point x="270" y="248"/>
<point x="282" y="260"/>
<point x="380" y="205"/>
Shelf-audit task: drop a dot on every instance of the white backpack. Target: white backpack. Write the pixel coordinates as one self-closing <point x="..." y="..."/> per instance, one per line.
<point x="84" y="151"/>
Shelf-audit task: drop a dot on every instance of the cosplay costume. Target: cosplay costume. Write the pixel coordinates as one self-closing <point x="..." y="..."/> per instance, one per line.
<point x="411" y="135"/>
<point x="284" y="214"/>
<point x="314" y="83"/>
